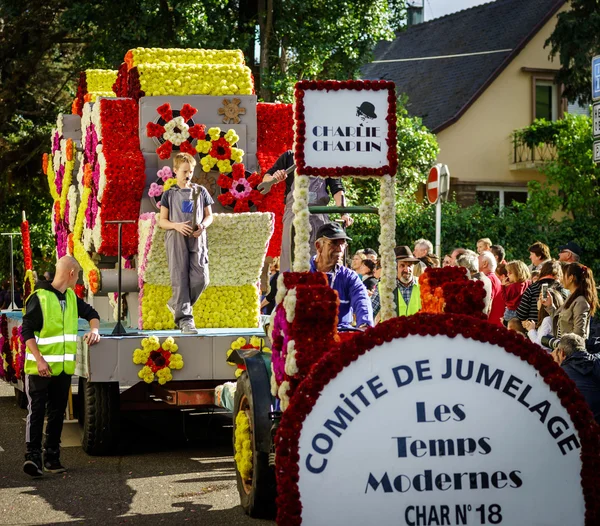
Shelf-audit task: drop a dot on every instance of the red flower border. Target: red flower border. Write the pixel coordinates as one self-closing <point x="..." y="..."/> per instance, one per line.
<point x="334" y="85"/>
<point x="289" y="506"/>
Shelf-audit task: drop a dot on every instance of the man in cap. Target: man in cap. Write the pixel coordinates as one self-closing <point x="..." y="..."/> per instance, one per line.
<point x="407" y="294"/>
<point x="330" y="244"/>
<point x="569" y="253"/>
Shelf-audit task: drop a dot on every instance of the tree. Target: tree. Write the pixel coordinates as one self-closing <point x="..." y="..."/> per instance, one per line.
<point x="573" y="179"/>
<point x="576" y="38"/>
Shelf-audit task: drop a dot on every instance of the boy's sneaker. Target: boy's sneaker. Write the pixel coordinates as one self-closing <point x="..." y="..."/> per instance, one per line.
<point x="33" y="464"/>
<point x="187" y="327"/>
<point x="52" y="462"/>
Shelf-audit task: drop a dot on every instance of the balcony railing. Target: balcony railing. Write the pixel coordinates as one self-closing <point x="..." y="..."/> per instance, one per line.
<point x="530" y="154"/>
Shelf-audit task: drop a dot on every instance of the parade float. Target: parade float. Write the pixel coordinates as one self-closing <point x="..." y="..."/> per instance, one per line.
<point x="439" y="418"/>
<point x="109" y="162"/>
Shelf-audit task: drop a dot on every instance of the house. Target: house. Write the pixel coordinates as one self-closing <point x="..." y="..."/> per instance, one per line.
<point x="475" y="77"/>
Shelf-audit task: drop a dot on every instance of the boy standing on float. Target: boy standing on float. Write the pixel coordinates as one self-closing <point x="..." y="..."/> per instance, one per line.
<point x="185" y="214"/>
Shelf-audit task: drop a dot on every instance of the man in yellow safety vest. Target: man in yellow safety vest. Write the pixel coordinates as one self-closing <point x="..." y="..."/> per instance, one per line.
<point x="407" y="295"/>
<point x="49" y="329"/>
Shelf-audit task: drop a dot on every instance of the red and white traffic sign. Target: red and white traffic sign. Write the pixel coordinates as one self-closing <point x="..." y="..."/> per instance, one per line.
<point x="433" y="184"/>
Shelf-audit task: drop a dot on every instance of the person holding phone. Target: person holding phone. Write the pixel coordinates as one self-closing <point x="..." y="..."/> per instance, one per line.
<point x="537" y="329"/>
<point x="551" y="274"/>
<point x="574" y="316"/>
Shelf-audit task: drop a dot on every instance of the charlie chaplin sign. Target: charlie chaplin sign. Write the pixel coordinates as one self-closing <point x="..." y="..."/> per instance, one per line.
<point x="345" y="128"/>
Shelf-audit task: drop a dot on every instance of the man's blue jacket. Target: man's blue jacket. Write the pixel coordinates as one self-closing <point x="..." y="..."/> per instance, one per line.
<point x="352" y="293"/>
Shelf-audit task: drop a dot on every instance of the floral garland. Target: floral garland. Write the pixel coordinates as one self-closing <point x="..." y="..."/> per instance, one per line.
<point x="387" y="242"/>
<point x="301" y="224"/>
<point x="289" y="507"/>
<point x="158" y="360"/>
<point x="217" y="149"/>
<point x="305" y="301"/>
<point x="300" y="127"/>
<point x="275" y="125"/>
<point x="28" y="281"/>
<point x="242" y="343"/>
<point x="182" y="79"/>
<point x="243" y="446"/>
<point x="448" y="290"/>
<point x="175" y="130"/>
<point x="239" y="191"/>
<point x="17" y="346"/>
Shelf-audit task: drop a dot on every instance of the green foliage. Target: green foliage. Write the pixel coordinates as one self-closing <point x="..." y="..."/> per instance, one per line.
<point x="573" y="179"/>
<point x="576" y="39"/>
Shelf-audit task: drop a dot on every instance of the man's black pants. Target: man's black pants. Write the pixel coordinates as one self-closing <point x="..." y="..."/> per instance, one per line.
<point x="52" y="392"/>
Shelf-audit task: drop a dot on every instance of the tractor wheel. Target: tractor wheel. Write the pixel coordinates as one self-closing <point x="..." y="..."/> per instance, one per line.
<point x="100" y="417"/>
<point x="257" y="488"/>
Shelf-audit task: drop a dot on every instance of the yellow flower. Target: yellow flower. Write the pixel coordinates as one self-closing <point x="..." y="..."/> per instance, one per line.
<point x="203" y="146"/>
<point x="237" y="155"/>
<point x="231" y="137"/>
<point x="214" y="132"/>
<point x="224" y="166"/>
<point x="146" y="374"/>
<point x="169" y="183"/>
<point x="243" y="445"/>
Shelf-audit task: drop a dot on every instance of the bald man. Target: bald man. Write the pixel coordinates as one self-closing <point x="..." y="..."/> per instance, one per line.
<point x="49" y="329"/>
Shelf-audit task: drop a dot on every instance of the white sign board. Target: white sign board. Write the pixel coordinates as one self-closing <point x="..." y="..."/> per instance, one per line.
<point x="346" y="130"/>
<point x="438" y="430"/>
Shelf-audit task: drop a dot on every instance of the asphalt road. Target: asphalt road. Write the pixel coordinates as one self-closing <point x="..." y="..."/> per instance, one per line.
<point x="173" y="469"/>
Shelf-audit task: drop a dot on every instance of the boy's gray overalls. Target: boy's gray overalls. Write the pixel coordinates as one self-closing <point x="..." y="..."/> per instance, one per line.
<point x="187" y="256"/>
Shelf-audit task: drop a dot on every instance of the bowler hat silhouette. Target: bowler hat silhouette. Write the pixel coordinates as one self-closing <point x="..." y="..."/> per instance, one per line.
<point x="367" y="109"/>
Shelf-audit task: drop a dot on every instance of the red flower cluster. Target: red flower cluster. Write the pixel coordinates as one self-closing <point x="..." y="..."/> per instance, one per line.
<point x="77" y="106"/>
<point x="26" y="240"/>
<point x="125" y="174"/>
<point x="234" y="189"/>
<point x="275" y="136"/>
<point x="120" y="85"/>
<point x="157" y="130"/>
<point x="158" y="360"/>
<point x="334" y="85"/>
<point x="17" y="346"/>
<point x="449" y="290"/>
<point x="289" y="506"/>
<point x="80" y="291"/>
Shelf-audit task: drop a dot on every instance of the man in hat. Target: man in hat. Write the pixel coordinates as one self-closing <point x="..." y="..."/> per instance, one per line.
<point x="570" y="253"/>
<point x="318" y="195"/>
<point x="330" y="245"/>
<point x="407" y="294"/>
<point x="366" y="111"/>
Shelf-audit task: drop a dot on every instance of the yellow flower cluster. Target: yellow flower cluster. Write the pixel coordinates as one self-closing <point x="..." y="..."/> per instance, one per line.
<point x="144" y="55"/>
<point x="195" y="79"/>
<point x="156" y="316"/>
<point x="95" y="95"/>
<point x="51" y="177"/>
<point x="208" y="162"/>
<point x="228" y="307"/>
<point x="79" y="252"/>
<point x="141" y="356"/>
<point x="243" y="446"/>
<point x="169" y="183"/>
<point x="68" y="177"/>
<point x="100" y="82"/>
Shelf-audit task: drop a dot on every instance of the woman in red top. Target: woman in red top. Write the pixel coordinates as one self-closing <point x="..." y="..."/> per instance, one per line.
<point x="515" y="283"/>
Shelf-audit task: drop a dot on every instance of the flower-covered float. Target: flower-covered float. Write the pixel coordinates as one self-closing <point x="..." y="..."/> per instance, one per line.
<point x="435" y="418"/>
<point x="110" y="160"/>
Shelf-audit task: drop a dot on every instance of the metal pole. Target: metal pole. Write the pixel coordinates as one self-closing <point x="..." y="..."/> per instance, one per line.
<point x="438" y="228"/>
<point x="12" y="305"/>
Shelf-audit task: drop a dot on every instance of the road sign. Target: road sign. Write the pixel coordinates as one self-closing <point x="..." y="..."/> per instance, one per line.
<point x="596" y="117"/>
<point x="433" y="183"/>
<point x="596" y="78"/>
<point x="597" y="151"/>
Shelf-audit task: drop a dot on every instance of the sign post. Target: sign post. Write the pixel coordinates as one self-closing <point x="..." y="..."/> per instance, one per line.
<point x="437" y="191"/>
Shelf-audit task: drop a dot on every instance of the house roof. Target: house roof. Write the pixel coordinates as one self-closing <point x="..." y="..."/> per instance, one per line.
<point x="445" y="64"/>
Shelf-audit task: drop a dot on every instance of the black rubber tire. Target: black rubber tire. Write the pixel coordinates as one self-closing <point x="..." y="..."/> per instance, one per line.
<point x="101" y="418"/>
<point x="259" y="502"/>
<point x="21" y="399"/>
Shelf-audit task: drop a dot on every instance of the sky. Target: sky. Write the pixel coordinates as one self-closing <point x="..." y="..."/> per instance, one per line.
<point x="437" y="8"/>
